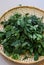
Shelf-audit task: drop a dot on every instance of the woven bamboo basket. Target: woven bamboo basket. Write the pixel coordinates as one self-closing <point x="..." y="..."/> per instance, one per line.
<point x="22" y="10"/>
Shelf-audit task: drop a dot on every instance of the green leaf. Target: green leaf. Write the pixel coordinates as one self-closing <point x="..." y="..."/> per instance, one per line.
<point x="39" y="49"/>
<point x="42" y="53"/>
<point x="30" y="36"/>
<point x="22" y="23"/>
<point x="16" y="43"/>
<point x="8" y="28"/>
<point x="31" y="50"/>
<point x="8" y="54"/>
<point x="1" y="34"/>
<point x="39" y="37"/>
<point x="18" y="22"/>
<point x="42" y="43"/>
<point x="24" y="44"/>
<point x="8" y="34"/>
<point x="35" y="26"/>
<point x="16" y="56"/>
<point x="36" y="56"/>
<point x="4" y="41"/>
<point x="34" y="36"/>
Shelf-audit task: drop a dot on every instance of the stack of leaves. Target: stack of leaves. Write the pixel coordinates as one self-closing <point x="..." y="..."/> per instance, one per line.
<point x="21" y="34"/>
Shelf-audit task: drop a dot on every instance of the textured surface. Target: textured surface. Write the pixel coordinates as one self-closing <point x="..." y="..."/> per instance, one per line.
<point x="22" y="10"/>
<point x="7" y="4"/>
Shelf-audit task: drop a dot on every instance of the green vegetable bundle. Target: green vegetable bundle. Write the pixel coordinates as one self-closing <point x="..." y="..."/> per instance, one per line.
<point x="21" y="34"/>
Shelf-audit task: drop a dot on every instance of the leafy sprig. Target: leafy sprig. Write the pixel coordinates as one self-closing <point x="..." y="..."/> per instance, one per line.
<point x="22" y="34"/>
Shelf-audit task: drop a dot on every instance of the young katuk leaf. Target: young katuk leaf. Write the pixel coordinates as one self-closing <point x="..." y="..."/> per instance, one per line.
<point x="30" y="36"/>
<point x="16" y="43"/>
<point x="24" y="44"/>
<point x="36" y="56"/>
<point x="8" y="34"/>
<point x="39" y="49"/>
<point x="22" y="23"/>
<point x="34" y="36"/>
<point x="8" y="28"/>
<point x="18" y="22"/>
<point x="16" y="56"/>
<point x="31" y="50"/>
<point x="39" y="36"/>
<point x="42" y="43"/>
<point x="4" y="41"/>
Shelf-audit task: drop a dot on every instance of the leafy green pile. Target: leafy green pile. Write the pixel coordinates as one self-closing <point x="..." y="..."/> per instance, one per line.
<point x="23" y="34"/>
